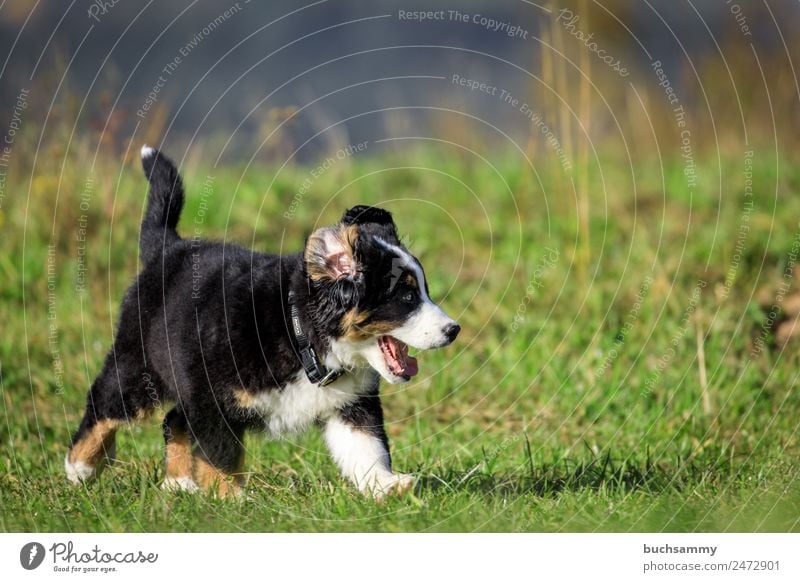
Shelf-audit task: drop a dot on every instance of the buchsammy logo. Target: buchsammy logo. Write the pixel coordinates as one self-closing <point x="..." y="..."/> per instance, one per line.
<point x="31" y="555"/>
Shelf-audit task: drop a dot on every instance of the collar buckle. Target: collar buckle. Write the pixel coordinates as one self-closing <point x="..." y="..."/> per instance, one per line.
<point x="331" y="377"/>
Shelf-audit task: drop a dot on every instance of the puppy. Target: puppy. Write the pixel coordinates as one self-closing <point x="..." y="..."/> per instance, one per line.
<point x="241" y="340"/>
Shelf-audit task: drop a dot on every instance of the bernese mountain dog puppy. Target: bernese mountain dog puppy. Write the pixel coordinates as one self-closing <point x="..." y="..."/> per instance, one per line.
<point x="241" y="340"/>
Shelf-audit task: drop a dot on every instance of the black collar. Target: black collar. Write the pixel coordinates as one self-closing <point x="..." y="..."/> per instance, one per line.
<point x="315" y="370"/>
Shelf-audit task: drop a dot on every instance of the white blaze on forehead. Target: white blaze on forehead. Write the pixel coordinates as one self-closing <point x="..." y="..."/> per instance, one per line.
<point x="425" y="328"/>
<point x="409" y="262"/>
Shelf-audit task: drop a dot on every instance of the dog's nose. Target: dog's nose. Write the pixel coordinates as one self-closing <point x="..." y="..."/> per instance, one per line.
<point x="451" y="332"/>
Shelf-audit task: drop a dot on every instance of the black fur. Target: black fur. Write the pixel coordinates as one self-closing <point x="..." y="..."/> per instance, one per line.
<point x="366" y="414"/>
<point x="164" y="206"/>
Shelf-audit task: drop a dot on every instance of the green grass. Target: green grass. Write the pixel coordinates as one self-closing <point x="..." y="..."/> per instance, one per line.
<point x="564" y="421"/>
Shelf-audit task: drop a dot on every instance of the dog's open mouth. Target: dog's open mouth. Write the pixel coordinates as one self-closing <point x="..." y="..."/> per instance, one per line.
<point x="397" y="359"/>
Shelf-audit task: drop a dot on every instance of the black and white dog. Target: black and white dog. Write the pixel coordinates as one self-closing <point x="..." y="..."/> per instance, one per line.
<point x="240" y="340"/>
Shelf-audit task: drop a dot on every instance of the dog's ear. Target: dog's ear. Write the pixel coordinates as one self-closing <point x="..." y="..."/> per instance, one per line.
<point x="330" y="253"/>
<point x="363" y="214"/>
<point x="376" y="221"/>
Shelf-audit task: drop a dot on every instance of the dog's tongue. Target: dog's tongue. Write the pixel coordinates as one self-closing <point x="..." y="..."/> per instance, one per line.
<point x="399" y="361"/>
<point x="410" y="368"/>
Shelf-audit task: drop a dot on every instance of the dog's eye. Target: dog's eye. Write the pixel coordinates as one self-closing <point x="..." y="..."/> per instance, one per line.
<point x="408" y="296"/>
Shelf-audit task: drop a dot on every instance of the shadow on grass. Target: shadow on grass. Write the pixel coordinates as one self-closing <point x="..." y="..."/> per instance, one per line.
<point x="604" y="474"/>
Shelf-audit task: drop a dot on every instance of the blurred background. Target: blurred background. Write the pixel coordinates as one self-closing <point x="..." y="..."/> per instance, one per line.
<point x="240" y="70"/>
<point x="605" y="194"/>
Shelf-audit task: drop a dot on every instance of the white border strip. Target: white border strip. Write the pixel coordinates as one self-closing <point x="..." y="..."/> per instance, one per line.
<point x="405" y="557"/>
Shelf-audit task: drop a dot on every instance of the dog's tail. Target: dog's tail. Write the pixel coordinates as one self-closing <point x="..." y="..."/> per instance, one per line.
<point x="164" y="204"/>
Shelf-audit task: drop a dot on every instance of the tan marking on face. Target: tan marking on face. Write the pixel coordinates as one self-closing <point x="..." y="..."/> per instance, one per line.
<point x="353" y="318"/>
<point x="356" y="330"/>
<point x="179" y="454"/>
<point x="411" y="280"/>
<point x="98" y="441"/>
<point x="211" y="478"/>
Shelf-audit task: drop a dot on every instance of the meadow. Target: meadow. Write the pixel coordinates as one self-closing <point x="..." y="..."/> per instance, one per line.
<point x="630" y="380"/>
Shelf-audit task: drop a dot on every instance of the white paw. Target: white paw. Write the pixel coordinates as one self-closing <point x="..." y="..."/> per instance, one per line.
<point x="392" y="484"/>
<point x="78" y="472"/>
<point x="180" y="484"/>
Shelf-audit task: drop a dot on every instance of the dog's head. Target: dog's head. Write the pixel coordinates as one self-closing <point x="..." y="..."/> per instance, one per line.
<point x="372" y="296"/>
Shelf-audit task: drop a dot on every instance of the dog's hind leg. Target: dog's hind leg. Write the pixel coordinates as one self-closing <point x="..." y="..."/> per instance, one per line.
<point x="218" y="461"/>
<point x="179" y="462"/>
<point x="93" y="445"/>
<point x="121" y="393"/>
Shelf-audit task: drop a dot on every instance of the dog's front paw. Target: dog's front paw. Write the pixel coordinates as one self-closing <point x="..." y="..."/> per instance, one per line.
<point x="392" y="484"/>
<point x="79" y="472"/>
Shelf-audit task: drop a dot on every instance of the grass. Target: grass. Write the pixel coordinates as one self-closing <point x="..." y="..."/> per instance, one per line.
<point x="573" y="401"/>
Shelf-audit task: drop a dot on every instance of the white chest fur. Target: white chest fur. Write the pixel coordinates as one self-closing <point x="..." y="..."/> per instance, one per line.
<point x="300" y="403"/>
